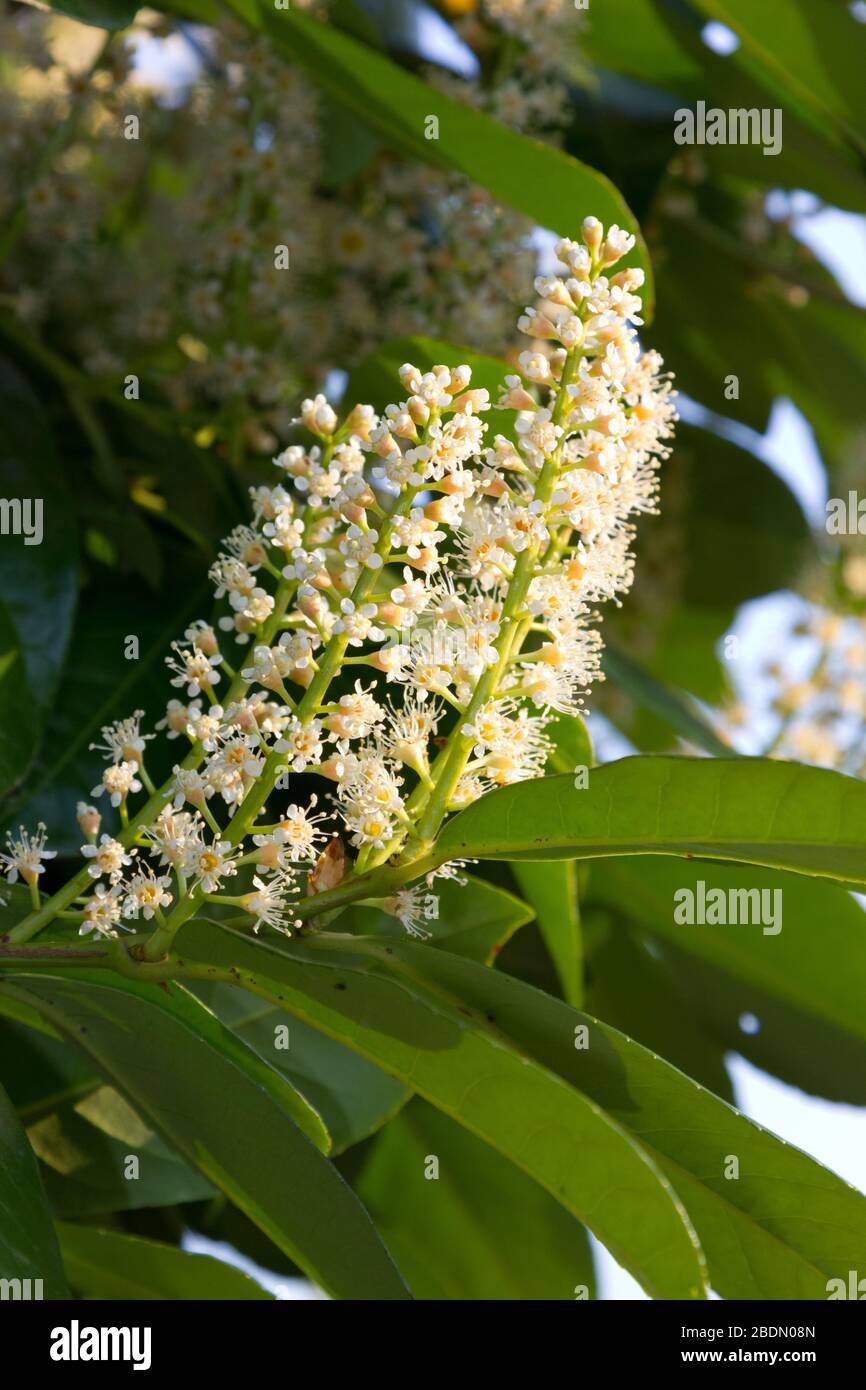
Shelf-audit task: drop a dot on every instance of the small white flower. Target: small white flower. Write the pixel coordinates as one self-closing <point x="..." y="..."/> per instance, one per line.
<point x="211" y="863"/>
<point x="108" y="857"/>
<point x="270" y="903"/>
<point x="118" y="780"/>
<point x="25" y="854"/>
<point x="146" y="893"/>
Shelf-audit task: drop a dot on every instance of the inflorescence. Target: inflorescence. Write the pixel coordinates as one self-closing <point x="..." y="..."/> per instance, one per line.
<point x="413" y="604"/>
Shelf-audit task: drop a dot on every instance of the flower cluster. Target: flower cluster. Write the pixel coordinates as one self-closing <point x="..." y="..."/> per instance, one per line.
<point x="413" y="605"/>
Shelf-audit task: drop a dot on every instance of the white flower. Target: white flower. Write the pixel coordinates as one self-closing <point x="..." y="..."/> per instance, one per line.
<point x="211" y="863"/>
<point x="123" y="741"/>
<point x="193" y="668"/>
<point x="118" y="780"/>
<point x="108" y="857"/>
<point x="303" y="743"/>
<point x="357" y="623"/>
<point x="298" y="832"/>
<point x="412" y="907"/>
<point x="270" y="903"/>
<point x="191" y="786"/>
<point x="103" y="910"/>
<point x="356" y="715"/>
<point x="25" y="854"/>
<point x="146" y="893"/>
<point x="174" y="836"/>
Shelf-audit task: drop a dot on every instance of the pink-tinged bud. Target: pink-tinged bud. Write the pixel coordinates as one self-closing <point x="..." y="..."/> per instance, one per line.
<point x="355" y="513"/>
<point x="323" y="580"/>
<point x="332" y="768"/>
<point x="552" y="654"/>
<point x="426" y="561"/>
<point x="89" y="820"/>
<point x="476" y="399"/>
<point x="593" y="463"/>
<point x="518" y="398"/>
<point x="418" y="409"/>
<point x="268" y="855"/>
<point x="392" y="615"/>
<point x="450" y="486"/>
<point x="386" y="445"/>
<point x="313" y="607"/>
<point x="206" y="639"/>
<point x="360" y="422"/>
<point x="440" y="510"/>
<point x="302" y="675"/>
<point x="493" y="487"/>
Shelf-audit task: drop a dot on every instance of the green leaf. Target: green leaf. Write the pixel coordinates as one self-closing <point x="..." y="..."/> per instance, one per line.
<point x="552" y="891"/>
<point x="778" y="1230"/>
<point x="111" y="1264"/>
<point x="752" y="810"/>
<point x="460" y="1061"/>
<point x="38" y="571"/>
<point x="632" y="38"/>
<point x="805" y="984"/>
<point x="809" y="53"/>
<point x="28" y="1245"/>
<point x="103" y="14"/>
<point x="83" y="1132"/>
<point x="549" y="186"/>
<point x="475" y="919"/>
<point x="733" y="503"/>
<point x="480" y="1229"/>
<point x="572" y="745"/>
<point x="353" y="1097"/>
<point x="209" y="1096"/>
<point x="632" y="990"/>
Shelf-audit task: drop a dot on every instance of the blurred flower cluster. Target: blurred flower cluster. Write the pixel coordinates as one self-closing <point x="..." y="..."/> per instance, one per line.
<point x="193" y="236"/>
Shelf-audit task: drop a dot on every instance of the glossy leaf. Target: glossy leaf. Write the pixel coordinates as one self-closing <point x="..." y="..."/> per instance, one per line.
<point x="478" y="1228"/>
<point x="460" y="1061"/>
<point x="38" y="572"/>
<point x="114" y="1265"/>
<point x="752" y="810"/>
<point x="809" y="52"/>
<point x="779" y="1230"/>
<point x="104" y="14"/>
<point x="353" y="1097"/>
<point x="804" y="984"/>
<point x="207" y="1094"/>
<point x="552" y="890"/>
<point x="28" y="1245"/>
<point x="84" y="1132"/>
